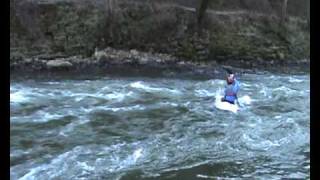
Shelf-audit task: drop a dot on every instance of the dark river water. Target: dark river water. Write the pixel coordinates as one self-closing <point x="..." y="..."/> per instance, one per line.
<point x="157" y="128"/>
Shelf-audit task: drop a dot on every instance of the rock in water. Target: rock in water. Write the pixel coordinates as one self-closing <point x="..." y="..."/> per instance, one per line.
<point x="100" y="54"/>
<point x="58" y="64"/>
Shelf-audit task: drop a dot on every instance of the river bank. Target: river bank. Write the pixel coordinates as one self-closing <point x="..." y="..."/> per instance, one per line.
<point x="119" y="62"/>
<point x="156" y="36"/>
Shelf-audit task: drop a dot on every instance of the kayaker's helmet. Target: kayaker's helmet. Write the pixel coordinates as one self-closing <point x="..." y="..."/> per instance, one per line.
<point x="230" y="78"/>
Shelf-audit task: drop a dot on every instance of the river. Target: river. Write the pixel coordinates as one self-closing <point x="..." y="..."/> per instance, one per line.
<point x="110" y="127"/>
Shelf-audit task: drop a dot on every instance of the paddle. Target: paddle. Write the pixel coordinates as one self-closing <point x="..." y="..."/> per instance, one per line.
<point x="238" y="103"/>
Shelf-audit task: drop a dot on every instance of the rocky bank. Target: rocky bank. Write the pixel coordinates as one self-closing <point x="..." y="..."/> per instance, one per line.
<point x="119" y="62"/>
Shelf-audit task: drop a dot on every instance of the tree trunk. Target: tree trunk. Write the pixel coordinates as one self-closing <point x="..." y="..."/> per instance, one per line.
<point x="201" y="10"/>
<point x="284" y="11"/>
<point x="308" y="13"/>
<point x="110" y="7"/>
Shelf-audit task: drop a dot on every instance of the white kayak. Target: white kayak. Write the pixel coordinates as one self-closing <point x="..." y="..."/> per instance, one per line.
<point x="226" y="106"/>
<point x="243" y="102"/>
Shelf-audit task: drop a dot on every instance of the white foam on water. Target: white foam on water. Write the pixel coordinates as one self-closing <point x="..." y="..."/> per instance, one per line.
<point x="296" y="175"/>
<point x="39" y="116"/>
<point x="115" y="96"/>
<point x="246" y="85"/>
<point x="137" y="84"/>
<point x="140" y="85"/>
<point x="84" y="95"/>
<point x="290" y="120"/>
<point x="113" y="158"/>
<point x="217" y="82"/>
<point x="45" y="117"/>
<point x="252" y="125"/>
<point x="187" y="166"/>
<point x="118" y="96"/>
<point x="267" y="144"/>
<point x="52" y="83"/>
<point x="272" y="77"/>
<point x="105" y="88"/>
<point x="79" y="99"/>
<point x="203" y="93"/>
<point x="18" y="97"/>
<point x="118" y="156"/>
<point x="264" y="90"/>
<point x="286" y="90"/>
<point x="168" y="103"/>
<point x="60" y="165"/>
<point x="116" y="109"/>
<point x="258" y="143"/>
<point x="294" y="80"/>
<point x="278" y="117"/>
<point x="70" y="127"/>
<point x="205" y="176"/>
<point x="19" y="152"/>
<point x="186" y="104"/>
<point x="245" y="99"/>
<point x="85" y="166"/>
<point x="213" y="177"/>
<point x="32" y="173"/>
<point x="247" y="138"/>
<point x="136" y="155"/>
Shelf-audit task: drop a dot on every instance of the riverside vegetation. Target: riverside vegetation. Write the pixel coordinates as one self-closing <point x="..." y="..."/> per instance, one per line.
<point x="77" y="35"/>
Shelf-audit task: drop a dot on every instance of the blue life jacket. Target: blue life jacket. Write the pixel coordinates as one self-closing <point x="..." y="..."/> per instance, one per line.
<point x="231" y="91"/>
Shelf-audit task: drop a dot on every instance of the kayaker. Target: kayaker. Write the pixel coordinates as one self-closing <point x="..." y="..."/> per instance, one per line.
<point x="231" y="90"/>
